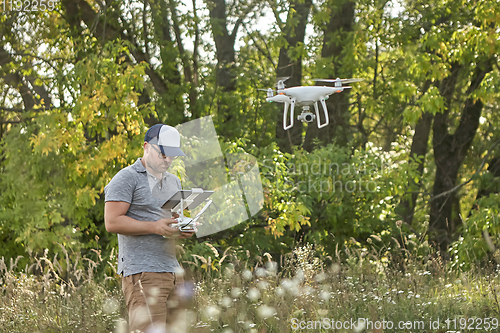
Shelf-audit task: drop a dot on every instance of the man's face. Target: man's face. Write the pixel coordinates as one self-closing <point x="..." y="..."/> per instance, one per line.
<point x="156" y="160"/>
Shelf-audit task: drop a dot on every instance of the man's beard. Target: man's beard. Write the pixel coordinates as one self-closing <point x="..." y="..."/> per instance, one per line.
<point x="159" y="167"/>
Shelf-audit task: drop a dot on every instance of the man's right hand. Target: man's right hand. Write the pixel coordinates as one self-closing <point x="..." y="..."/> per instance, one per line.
<point x="117" y="222"/>
<point x="163" y="228"/>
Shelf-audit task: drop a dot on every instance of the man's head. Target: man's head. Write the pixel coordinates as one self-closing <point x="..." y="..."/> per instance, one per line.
<point x="161" y="146"/>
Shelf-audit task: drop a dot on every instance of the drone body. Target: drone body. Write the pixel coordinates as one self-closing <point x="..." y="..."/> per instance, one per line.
<point x="306" y="96"/>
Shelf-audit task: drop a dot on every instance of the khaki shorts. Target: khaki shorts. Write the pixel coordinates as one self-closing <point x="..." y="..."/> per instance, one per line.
<point x="153" y="300"/>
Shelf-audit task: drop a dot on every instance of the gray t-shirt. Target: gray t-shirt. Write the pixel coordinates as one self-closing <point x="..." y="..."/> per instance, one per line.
<point x="145" y="194"/>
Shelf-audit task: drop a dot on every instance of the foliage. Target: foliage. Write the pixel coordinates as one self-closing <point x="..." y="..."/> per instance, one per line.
<point x="344" y="198"/>
<point x="56" y="166"/>
<point x="479" y="240"/>
<point x="81" y="85"/>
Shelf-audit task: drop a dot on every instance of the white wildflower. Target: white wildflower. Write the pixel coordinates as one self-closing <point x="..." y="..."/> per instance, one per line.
<point x="110" y="306"/>
<point x="287" y="284"/>
<point x="325" y="295"/>
<point x="279" y="291"/>
<point x="247" y="275"/>
<point x="260" y="272"/>
<point x="249" y="324"/>
<point x="307" y="290"/>
<point x="235" y="292"/>
<point x="272" y="266"/>
<point x="226" y="302"/>
<point x="265" y="311"/>
<point x="253" y="294"/>
<point x="322" y="312"/>
<point x="263" y="285"/>
<point x="320" y="277"/>
<point x="212" y="311"/>
<point x="300" y="275"/>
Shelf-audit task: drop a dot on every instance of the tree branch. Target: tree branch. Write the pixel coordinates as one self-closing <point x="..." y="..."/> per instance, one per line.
<point x="40" y="90"/>
<point x="188" y="73"/>
<point x="182" y="53"/>
<point x="89" y="16"/>
<point x="145" y="31"/>
<point x="279" y="22"/>
<point x="267" y="55"/>
<point x="25" y="54"/>
<point x="196" y="44"/>
<point x="240" y="19"/>
<point x="472" y="110"/>
<point x="471" y="178"/>
<point x="25" y="110"/>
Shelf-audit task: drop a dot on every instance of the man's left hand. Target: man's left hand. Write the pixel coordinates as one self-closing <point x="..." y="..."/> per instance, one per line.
<point x="186" y="234"/>
<point x="182" y="234"/>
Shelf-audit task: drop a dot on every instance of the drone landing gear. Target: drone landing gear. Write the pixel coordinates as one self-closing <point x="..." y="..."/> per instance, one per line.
<point x="285" y="114"/>
<point x="316" y="108"/>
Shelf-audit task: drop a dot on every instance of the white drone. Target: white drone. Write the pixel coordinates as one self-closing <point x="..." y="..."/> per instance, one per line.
<point x="306" y="96"/>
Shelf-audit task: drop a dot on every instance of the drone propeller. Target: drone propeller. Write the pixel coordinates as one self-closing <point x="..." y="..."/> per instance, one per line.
<point x="270" y="91"/>
<point x="339" y="80"/>
<point x="282" y="78"/>
<point x="280" y="82"/>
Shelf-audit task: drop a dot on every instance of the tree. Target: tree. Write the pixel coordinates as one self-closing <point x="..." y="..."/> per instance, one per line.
<point x="453" y="73"/>
<point x="336" y="61"/>
<point x="290" y="64"/>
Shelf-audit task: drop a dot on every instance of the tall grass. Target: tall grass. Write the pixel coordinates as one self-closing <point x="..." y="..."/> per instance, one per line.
<point x="365" y="286"/>
<point x="45" y="297"/>
<point x="235" y="294"/>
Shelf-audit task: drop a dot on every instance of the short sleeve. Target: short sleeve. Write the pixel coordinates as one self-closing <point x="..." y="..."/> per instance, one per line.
<point x="121" y="187"/>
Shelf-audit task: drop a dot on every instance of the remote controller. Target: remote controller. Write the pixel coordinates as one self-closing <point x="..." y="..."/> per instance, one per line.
<point x="185" y="225"/>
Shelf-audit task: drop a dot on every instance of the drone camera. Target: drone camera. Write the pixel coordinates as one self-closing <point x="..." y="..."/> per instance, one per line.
<point x="306" y="116"/>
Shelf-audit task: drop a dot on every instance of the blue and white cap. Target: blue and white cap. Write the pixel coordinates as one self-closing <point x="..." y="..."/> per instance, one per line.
<point x="167" y="138"/>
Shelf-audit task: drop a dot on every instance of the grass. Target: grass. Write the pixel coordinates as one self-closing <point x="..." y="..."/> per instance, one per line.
<point x="232" y="296"/>
<point x="56" y="299"/>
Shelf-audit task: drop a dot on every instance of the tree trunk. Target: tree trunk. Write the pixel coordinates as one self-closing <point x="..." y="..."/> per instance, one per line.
<point x="224" y="44"/>
<point x="419" y="148"/>
<point x="449" y="153"/>
<point x="485" y="190"/>
<point x="335" y="43"/>
<point x="226" y="66"/>
<point x="294" y="33"/>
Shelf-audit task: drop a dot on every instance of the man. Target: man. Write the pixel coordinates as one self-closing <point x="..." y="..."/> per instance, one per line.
<point x="151" y="278"/>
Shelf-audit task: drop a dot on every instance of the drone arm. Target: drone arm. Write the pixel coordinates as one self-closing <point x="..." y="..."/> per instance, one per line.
<point x="323" y="104"/>
<point x="285" y="126"/>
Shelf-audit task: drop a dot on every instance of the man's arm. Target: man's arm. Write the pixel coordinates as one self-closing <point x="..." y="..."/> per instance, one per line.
<point x="117" y="222"/>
